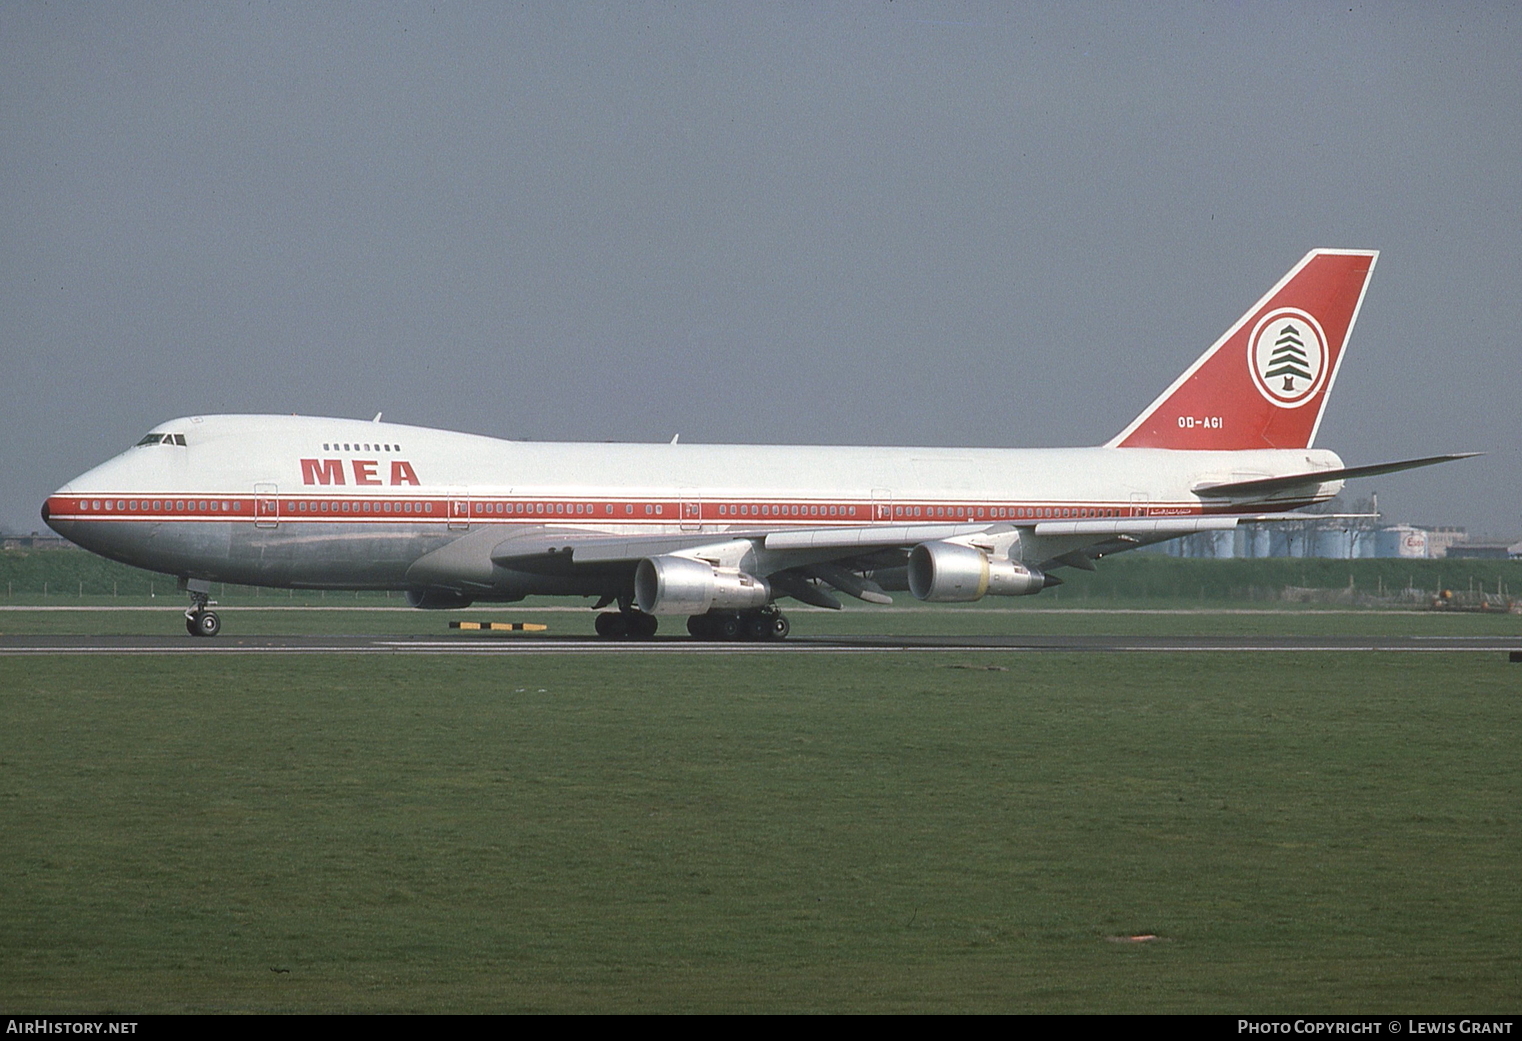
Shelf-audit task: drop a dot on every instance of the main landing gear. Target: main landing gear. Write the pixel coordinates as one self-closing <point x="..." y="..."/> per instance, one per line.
<point x="198" y="620"/>
<point x="767" y="623"/>
<point x="626" y="625"/>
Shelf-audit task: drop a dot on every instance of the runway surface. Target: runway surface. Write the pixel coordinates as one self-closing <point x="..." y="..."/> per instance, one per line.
<point x="531" y="643"/>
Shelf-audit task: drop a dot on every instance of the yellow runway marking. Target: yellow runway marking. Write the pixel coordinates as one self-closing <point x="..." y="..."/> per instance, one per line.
<point x="519" y="627"/>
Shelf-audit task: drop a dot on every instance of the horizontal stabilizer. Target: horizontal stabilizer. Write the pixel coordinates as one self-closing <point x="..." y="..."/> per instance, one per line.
<point x="1273" y="485"/>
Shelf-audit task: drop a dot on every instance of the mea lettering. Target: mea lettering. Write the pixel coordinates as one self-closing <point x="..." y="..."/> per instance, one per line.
<point x="331" y="471"/>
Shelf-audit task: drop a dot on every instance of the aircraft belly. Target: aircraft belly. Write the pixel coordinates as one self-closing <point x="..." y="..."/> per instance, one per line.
<point x="350" y="556"/>
<point x="199" y="549"/>
<point x="465" y="565"/>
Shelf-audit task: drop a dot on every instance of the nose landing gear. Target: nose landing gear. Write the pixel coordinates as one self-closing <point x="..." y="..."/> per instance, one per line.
<point x="198" y="620"/>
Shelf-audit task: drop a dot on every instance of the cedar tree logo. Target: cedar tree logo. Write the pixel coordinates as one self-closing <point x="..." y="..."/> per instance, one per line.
<point x="1288" y="357"/>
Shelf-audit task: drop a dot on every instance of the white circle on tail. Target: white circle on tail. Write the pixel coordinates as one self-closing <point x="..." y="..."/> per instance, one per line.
<point x="1288" y="357"/>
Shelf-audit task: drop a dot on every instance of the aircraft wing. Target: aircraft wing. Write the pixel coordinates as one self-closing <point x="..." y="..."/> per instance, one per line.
<point x="594" y="548"/>
<point x="860" y="561"/>
<point x="863" y="562"/>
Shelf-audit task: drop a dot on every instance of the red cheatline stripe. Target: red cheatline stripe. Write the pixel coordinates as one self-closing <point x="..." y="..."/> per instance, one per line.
<point x="533" y="511"/>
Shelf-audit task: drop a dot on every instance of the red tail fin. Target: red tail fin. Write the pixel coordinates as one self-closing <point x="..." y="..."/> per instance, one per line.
<point x="1266" y="382"/>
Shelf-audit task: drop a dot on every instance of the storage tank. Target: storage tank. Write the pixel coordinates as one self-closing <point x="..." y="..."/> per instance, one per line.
<point x="1401" y="540"/>
<point x="1333" y="543"/>
<point x="1287" y="542"/>
<point x="1262" y="542"/>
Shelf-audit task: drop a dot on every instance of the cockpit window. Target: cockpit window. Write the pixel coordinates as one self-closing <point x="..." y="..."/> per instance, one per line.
<point x="162" y="439"/>
<point x="151" y="439"/>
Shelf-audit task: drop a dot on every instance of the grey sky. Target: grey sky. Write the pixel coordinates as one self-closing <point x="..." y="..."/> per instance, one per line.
<point x="870" y="223"/>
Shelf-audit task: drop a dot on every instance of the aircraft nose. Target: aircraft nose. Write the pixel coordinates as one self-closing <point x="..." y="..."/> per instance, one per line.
<point x="47" y="508"/>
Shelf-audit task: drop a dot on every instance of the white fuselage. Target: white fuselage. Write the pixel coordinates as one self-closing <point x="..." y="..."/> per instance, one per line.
<point x="334" y="503"/>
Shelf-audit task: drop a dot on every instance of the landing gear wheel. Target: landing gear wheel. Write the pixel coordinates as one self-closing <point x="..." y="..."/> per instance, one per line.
<point x="198" y="620"/>
<point x="736" y="625"/>
<point x="769" y="624"/>
<point x="612" y="625"/>
<point x="780" y="627"/>
<point x="642" y="626"/>
<point x="204" y="623"/>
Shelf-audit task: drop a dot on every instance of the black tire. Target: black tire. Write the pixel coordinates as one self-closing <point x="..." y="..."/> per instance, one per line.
<point x="727" y="627"/>
<point x="612" y="625"/>
<point x="780" y="627"/>
<point x="205" y="624"/>
<point x="700" y="627"/>
<point x="642" y="626"/>
<point x="758" y="627"/>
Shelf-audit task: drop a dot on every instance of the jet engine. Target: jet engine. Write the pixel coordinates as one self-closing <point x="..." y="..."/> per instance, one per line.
<point x="949" y="572"/>
<point x="669" y="584"/>
<point x="437" y="599"/>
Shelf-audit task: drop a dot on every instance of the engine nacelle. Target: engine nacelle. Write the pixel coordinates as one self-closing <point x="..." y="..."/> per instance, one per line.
<point x="437" y="599"/>
<point x="668" y="585"/>
<point x="948" y="572"/>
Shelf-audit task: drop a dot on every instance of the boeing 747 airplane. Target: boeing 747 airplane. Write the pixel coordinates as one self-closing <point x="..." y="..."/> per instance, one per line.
<point x="719" y="533"/>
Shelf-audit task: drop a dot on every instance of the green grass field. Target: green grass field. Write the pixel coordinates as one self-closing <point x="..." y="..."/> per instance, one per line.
<point x="105" y="616"/>
<point x="883" y="832"/>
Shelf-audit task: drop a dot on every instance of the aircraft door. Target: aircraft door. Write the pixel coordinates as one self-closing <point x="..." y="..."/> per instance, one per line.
<point x="882" y="504"/>
<point x="266" y="506"/>
<point x="459" y="513"/>
<point x="691" y="509"/>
